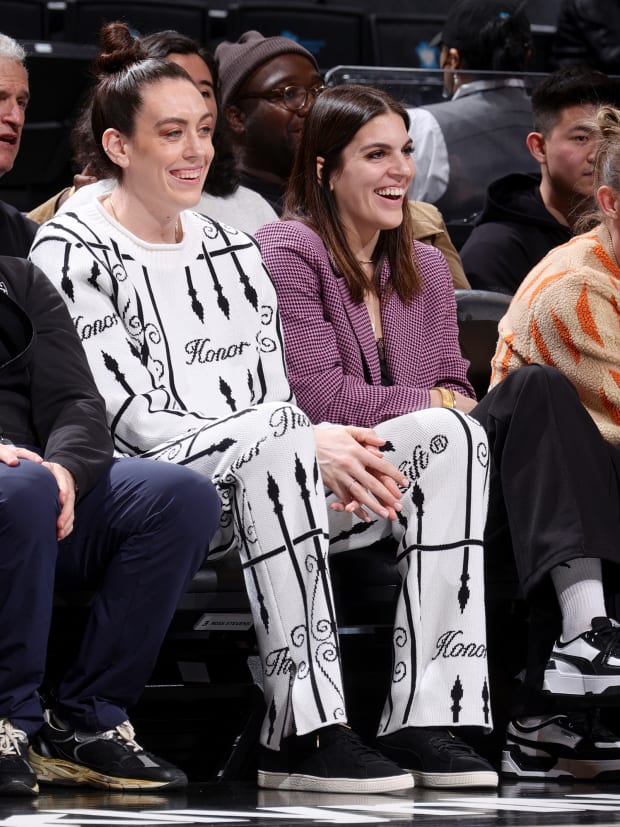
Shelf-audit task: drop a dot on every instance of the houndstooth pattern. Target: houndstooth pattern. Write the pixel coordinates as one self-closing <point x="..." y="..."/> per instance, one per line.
<point x="331" y="355"/>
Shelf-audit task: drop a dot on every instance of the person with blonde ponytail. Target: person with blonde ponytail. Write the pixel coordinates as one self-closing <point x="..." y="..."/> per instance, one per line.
<point x="566" y="314"/>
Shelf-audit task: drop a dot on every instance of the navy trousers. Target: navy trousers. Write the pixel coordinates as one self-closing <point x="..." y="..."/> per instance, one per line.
<point x="139" y="537"/>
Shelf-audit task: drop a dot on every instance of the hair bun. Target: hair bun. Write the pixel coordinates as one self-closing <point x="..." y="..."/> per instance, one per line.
<point x="119" y="49"/>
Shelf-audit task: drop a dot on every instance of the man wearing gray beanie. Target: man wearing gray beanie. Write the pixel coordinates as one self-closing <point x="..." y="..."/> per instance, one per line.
<point x="268" y="85"/>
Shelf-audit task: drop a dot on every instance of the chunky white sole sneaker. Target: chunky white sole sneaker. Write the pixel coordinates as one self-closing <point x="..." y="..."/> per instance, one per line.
<point x="561" y="748"/>
<point x="110" y="760"/>
<point x="587" y="665"/>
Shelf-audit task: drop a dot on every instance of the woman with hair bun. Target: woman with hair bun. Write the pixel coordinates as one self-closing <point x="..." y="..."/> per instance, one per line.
<point x="222" y="197"/>
<point x="180" y="325"/>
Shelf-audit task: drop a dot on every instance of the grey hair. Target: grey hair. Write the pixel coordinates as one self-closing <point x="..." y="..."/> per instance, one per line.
<point x="11" y="50"/>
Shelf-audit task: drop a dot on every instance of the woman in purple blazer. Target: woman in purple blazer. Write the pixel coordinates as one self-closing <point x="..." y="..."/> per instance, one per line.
<point x="371" y="339"/>
<point x="370" y="333"/>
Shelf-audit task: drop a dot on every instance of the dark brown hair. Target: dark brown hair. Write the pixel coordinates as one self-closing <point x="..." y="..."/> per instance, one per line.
<point x="492" y="35"/>
<point x="124" y="70"/>
<point x="223" y="177"/>
<point x="567" y="87"/>
<point x="336" y="117"/>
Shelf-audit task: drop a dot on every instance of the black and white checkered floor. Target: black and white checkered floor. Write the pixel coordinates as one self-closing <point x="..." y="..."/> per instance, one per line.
<point x="517" y="805"/>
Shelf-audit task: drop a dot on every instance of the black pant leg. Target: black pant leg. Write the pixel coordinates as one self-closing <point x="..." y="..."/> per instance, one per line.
<point x="554" y="495"/>
<point x="554" y="481"/>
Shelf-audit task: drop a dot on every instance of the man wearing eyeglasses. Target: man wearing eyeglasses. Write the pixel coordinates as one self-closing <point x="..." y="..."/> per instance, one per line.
<point x="268" y="85"/>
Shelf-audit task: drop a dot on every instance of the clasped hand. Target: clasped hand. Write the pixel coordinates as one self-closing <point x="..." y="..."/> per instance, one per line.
<point x="11" y="455"/>
<point x="353" y="468"/>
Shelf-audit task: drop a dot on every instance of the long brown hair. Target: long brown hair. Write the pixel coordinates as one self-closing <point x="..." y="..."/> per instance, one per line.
<point x="330" y="126"/>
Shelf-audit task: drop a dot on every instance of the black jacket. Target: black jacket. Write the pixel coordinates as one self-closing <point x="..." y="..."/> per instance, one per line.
<point x="513" y="233"/>
<point x="48" y="397"/>
<point x="16" y="232"/>
<point x="588" y="32"/>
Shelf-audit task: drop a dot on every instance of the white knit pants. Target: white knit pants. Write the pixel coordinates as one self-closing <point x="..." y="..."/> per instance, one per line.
<point x="263" y="463"/>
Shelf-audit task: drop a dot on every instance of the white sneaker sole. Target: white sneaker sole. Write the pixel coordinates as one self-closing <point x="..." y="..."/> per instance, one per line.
<point x="313" y="783"/>
<point x="564" y="769"/>
<point x="566" y="680"/>
<point x="455" y="779"/>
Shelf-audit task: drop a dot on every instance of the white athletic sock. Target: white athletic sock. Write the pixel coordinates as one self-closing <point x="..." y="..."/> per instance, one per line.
<point x="579" y="588"/>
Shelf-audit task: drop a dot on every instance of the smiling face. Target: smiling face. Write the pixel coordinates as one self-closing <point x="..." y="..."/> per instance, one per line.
<point x="372" y="182"/>
<point x="14" y="96"/>
<point x="166" y="160"/>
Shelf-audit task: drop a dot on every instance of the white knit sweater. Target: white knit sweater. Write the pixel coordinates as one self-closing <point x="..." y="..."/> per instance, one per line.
<point x="174" y="333"/>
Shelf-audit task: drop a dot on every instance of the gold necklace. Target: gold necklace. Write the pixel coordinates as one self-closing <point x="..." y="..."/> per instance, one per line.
<point x="365" y="261"/>
<point x="177" y="226"/>
<point x="373" y="308"/>
<point x="611" y="244"/>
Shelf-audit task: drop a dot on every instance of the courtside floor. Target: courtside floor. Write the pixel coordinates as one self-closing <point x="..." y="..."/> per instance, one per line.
<point x="521" y="805"/>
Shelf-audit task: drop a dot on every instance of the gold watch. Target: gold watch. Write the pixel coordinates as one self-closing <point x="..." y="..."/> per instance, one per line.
<point x="448" y="399"/>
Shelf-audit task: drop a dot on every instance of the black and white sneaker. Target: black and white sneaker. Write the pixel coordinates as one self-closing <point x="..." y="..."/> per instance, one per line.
<point x="111" y="760"/>
<point x="330" y="760"/>
<point x="574" y="747"/>
<point x="587" y="664"/>
<point x="437" y="758"/>
<point x="16" y="774"/>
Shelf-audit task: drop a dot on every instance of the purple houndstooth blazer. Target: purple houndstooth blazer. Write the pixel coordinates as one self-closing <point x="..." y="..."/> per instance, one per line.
<point x="330" y="350"/>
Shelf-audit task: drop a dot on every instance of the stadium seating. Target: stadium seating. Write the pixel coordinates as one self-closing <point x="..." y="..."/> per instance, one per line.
<point x="333" y="34"/>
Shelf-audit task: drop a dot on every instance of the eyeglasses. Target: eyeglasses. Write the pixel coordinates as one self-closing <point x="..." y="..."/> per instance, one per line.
<point x="293" y="97"/>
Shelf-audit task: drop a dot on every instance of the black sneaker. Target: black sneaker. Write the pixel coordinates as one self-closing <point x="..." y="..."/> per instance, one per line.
<point x="330" y="760"/>
<point x="589" y="663"/>
<point x="437" y="758"/>
<point x="572" y="747"/>
<point x="111" y="760"/>
<point x="16" y="775"/>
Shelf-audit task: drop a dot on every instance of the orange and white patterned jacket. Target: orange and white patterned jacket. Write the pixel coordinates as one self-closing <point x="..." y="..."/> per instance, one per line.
<point x="566" y="313"/>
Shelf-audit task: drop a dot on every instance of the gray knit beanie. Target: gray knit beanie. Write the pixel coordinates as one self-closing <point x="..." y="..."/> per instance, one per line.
<point x="237" y="61"/>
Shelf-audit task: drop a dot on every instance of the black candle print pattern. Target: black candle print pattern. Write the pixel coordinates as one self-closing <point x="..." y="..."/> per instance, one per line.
<point x="185" y="345"/>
